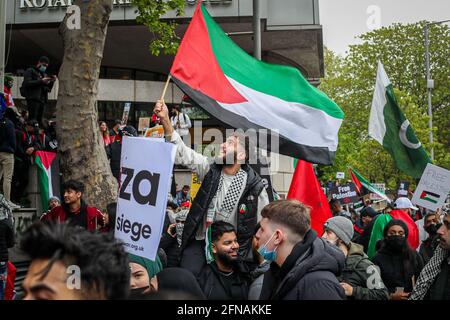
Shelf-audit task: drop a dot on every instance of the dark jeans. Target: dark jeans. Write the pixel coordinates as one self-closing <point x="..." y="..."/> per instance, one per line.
<point x="35" y="110"/>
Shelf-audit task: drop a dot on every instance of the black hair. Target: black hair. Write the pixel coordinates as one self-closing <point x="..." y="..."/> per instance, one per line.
<point x="334" y="201"/>
<point x="111" y="209"/>
<point x="74" y="185"/>
<point x="44" y="59"/>
<point x="186" y="186"/>
<point x="117" y="121"/>
<point x="101" y="259"/>
<point x="219" y="228"/>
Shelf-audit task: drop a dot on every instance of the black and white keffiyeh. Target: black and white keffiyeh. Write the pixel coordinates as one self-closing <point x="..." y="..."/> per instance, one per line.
<point x="231" y="199"/>
<point x="429" y="273"/>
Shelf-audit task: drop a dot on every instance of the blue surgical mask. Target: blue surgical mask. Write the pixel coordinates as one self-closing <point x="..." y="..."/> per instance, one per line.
<point x="268" y="255"/>
<point x="42" y="68"/>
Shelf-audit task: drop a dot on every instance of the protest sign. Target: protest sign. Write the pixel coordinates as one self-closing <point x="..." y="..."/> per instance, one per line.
<point x="126" y="112"/>
<point x="155" y="132"/>
<point x="340" y="175"/>
<point x="142" y="202"/>
<point x="346" y="193"/>
<point x="195" y="185"/>
<point x="433" y="187"/>
<point x="144" y="123"/>
<point x="403" y="187"/>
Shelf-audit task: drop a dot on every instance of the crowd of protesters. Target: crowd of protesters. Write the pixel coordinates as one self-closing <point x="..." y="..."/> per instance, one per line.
<point x="258" y="250"/>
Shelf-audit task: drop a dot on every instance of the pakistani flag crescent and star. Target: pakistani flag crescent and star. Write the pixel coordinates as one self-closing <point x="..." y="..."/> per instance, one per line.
<point x="246" y="93"/>
<point x="389" y="126"/>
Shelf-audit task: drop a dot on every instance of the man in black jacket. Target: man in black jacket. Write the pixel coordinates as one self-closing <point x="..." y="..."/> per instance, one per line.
<point x="224" y="279"/>
<point x="304" y="266"/>
<point x="114" y="150"/>
<point x="231" y="191"/>
<point x="36" y="86"/>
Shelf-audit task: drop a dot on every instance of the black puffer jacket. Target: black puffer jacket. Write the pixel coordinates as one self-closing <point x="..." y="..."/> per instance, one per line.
<point x="309" y="273"/>
<point x="6" y="238"/>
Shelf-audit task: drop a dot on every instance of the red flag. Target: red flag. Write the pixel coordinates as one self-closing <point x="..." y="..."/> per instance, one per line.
<point x="413" y="235"/>
<point x="306" y="188"/>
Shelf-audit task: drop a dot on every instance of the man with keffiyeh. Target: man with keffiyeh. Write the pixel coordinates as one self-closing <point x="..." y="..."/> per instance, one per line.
<point x="231" y="191"/>
<point x="434" y="280"/>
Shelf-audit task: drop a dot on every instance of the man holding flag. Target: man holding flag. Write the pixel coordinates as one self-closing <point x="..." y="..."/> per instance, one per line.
<point x="231" y="191"/>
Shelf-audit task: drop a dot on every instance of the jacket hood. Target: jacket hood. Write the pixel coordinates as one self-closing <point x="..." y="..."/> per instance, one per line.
<point x="356" y="250"/>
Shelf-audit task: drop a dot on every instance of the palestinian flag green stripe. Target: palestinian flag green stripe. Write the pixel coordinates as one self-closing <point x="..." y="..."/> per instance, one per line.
<point x="283" y="82"/>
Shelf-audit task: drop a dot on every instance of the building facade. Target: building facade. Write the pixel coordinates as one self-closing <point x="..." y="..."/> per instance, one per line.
<point x="291" y="35"/>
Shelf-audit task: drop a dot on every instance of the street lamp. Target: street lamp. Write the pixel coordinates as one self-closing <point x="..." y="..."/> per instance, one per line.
<point x="430" y="82"/>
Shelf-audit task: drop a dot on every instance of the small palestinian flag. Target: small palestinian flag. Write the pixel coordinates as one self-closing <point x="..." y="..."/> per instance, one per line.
<point x="429" y="196"/>
<point x="363" y="186"/>
<point x="48" y="175"/>
<point x="249" y="94"/>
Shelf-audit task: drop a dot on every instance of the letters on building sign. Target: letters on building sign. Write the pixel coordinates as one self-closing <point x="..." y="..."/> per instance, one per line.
<point x="41" y="4"/>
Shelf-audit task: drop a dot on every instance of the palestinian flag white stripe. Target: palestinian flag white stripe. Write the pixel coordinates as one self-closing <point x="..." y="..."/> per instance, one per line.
<point x="292" y="120"/>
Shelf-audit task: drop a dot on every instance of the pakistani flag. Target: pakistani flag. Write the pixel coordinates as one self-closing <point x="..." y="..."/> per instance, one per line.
<point x="48" y="175"/>
<point x="361" y="183"/>
<point x="246" y="93"/>
<point x="388" y="125"/>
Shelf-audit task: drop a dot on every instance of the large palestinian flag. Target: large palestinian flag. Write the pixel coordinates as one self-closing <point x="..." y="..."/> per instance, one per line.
<point x="48" y="175"/>
<point x="246" y="93"/>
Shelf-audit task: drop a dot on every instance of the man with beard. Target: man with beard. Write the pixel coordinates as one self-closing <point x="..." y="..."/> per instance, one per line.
<point x="431" y="225"/>
<point x="434" y="280"/>
<point x="75" y="210"/>
<point x="231" y="191"/>
<point x="223" y="279"/>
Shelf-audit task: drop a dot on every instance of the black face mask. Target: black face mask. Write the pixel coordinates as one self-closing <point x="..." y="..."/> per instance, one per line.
<point x="139" y="292"/>
<point x="396" y="243"/>
<point x="432" y="229"/>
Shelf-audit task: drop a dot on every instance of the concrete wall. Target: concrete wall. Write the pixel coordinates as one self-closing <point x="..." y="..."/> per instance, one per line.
<point x="120" y="90"/>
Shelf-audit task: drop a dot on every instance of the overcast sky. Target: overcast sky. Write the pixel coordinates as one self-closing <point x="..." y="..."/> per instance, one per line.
<point x="342" y="20"/>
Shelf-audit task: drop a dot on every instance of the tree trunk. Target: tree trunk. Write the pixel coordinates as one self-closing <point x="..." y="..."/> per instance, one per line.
<point x="80" y="145"/>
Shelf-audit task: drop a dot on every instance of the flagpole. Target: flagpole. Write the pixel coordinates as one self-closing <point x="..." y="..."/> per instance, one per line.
<point x="165" y="87"/>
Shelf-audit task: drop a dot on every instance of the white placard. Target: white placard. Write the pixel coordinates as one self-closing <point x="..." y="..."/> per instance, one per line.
<point x="142" y="201"/>
<point x="340" y="175"/>
<point x="433" y="187"/>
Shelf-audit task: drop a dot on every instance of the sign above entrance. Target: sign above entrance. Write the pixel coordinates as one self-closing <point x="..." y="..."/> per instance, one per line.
<point x="54" y="4"/>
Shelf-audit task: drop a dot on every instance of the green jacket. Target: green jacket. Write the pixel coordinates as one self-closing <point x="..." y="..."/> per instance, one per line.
<point x="360" y="272"/>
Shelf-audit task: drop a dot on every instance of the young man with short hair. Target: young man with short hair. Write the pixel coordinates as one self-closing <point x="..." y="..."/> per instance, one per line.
<point x="75" y="210"/>
<point x="304" y="266"/>
<point x="223" y="279"/>
<point x="69" y="263"/>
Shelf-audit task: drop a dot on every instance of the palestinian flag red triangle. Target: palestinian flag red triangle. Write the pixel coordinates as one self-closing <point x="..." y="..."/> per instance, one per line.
<point x="246" y="93"/>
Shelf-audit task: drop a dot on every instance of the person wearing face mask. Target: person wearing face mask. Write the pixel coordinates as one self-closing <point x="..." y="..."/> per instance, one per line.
<point x="143" y="274"/>
<point x="431" y="226"/>
<point x="360" y="278"/>
<point x="399" y="264"/>
<point x="257" y="275"/>
<point x="224" y="278"/>
<point x="304" y="266"/>
<point x="8" y="84"/>
<point x="36" y="87"/>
